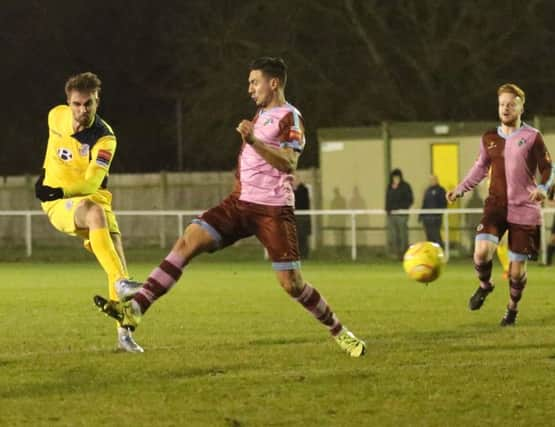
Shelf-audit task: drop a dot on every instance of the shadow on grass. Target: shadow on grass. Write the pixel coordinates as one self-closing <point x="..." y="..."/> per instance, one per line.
<point x="81" y="380"/>
<point x="458" y="339"/>
<point x="283" y="341"/>
<point x="202" y="372"/>
<point x="7" y="362"/>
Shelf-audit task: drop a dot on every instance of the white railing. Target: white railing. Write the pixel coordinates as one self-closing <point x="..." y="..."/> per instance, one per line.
<point x="352" y="213"/>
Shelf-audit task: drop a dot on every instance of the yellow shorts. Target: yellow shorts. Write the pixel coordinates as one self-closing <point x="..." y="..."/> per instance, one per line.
<point x="61" y="213"/>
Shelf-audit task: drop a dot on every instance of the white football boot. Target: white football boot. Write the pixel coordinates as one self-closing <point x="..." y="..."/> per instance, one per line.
<point x="126" y="288"/>
<point x="126" y="341"/>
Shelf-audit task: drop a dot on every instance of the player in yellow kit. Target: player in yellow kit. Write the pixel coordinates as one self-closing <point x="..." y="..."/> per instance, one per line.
<point x="73" y="184"/>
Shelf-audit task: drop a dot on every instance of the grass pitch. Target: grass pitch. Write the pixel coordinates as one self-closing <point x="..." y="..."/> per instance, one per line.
<point x="227" y="347"/>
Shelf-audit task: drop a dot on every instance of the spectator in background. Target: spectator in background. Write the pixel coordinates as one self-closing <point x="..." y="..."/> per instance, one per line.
<point x="434" y="198"/>
<point x="550" y="203"/>
<point x="304" y="228"/>
<point x="398" y="196"/>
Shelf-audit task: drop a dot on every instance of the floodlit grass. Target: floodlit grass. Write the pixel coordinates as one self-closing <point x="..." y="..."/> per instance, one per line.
<point x="227" y="347"/>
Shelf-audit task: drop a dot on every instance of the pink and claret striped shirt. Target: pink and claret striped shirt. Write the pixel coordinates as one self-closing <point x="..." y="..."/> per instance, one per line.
<point x="514" y="160"/>
<point x="256" y="180"/>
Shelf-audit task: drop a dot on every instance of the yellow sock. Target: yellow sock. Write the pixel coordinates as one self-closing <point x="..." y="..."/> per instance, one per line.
<point x="503" y="255"/>
<point x="105" y="252"/>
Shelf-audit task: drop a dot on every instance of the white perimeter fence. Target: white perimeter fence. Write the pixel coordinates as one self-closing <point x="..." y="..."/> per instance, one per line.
<point x="353" y="215"/>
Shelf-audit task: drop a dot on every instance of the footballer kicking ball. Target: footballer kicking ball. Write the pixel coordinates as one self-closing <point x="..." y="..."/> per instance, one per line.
<point x="423" y="261"/>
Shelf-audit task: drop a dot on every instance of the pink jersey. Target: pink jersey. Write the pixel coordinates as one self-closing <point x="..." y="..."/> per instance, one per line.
<point x="514" y="160"/>
<point x="258" y="181"/>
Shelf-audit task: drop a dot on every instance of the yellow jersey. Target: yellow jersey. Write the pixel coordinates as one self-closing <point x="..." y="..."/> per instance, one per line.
<point x="78" y="162"/>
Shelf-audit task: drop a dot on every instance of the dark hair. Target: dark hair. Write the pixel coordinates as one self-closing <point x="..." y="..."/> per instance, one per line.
<point x="271" y="67"/>
<point x="85" y="82"/>
<point x="395" y="172"/>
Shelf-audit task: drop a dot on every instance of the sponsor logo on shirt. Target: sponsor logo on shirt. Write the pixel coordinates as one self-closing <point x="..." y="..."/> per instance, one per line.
<point x="65" y="154"/>
<point x="69" y="204"/>
<point x="521" y="142"/>
<point x="268" y="121"/>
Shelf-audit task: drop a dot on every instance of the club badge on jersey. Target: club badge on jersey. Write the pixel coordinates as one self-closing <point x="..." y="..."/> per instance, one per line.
<point x="65" y="154"/>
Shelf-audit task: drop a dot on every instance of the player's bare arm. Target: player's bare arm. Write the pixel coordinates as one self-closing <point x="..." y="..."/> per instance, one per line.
<point x="283" y="159"/>
<point x="545" y="169"/>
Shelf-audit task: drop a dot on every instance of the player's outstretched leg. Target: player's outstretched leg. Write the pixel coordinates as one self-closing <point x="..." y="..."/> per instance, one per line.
<point x="129" y="312"/>
<point x="126" y="288"/>
<point x="135" y="302"/>
<point x="312" y="301"/>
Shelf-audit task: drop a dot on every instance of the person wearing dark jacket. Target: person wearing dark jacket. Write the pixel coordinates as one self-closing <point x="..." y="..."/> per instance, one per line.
<point x="434" y="198"/>
<point x="550" y="203"/>
<point x="302" y="202"/>
<point x="398" y="196"/>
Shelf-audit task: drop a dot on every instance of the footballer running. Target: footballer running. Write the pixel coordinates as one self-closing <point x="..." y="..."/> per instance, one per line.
<point x="514" y="152"/>
<point x="261" y="204"/>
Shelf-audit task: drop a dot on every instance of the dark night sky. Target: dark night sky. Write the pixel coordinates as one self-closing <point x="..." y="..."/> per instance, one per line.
<point x="351" y="63"/>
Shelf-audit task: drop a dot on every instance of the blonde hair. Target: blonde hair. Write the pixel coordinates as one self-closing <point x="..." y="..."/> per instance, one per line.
<point x="512" y="88"/>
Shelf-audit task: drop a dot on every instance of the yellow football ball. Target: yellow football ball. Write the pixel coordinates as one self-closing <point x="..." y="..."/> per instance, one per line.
<point x="424" y="261"/>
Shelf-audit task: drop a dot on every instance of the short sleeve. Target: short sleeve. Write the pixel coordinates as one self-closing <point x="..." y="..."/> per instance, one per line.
<point x="292" y="132"/>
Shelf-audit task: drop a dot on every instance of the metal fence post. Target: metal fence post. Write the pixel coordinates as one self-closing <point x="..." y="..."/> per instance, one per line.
<point x="353" y="237"/>
<point x="163" y="203"/>
<point x="447" y="244"/>
<point x="179" y="225"/>
<point x="28" y="235"/>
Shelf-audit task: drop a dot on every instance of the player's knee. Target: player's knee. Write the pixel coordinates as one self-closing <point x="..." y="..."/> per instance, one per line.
<point x="482" y="254"/>
<point x="516" y="276"/>
<point x="517" y="271"/>
<point x="95" y="216"/>
<point x="195" y="240"/>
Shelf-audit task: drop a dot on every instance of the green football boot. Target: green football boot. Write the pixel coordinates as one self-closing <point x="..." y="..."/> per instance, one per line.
<point x="352" y="345"/>
<point x="128" y="313"/>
